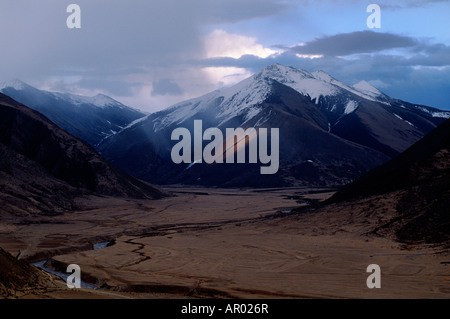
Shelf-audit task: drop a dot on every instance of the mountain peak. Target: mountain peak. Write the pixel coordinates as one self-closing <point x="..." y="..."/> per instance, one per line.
<point x="323" y="76"/>
<point x="299" y="80"/>
<point x="104" y="100"/>
<point x="99" y="100"/>
<point x="318" y="137"/>
<point x="14" y="83"/>
<point x="367" y="88"/>
<point x="277" y="71"/>
<point x="91" y="118"/>
<point x="278" y="67"/>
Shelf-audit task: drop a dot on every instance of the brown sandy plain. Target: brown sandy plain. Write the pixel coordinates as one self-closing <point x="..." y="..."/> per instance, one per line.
<point x="228" y="243"/>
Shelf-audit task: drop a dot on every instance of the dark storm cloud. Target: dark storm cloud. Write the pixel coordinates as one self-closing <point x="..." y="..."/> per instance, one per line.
<point x="114" y="35"/>
<point x="421" y="74"/>
<point x="230" y="11"/>
<point x="131" y="48"/>
<point x="122" y="48"/>
<point x="166" y="87"/>
<point x="353" y="43"/>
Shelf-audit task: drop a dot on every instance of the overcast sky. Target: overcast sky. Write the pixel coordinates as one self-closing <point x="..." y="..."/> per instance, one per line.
<point x="152" y="54"/>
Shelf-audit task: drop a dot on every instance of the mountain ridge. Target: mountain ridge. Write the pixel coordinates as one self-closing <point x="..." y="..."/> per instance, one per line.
<point x="44" y="168"/>
<point x="319" y="117"/>
<point x="90" y="118"/>
<point x="320" y="106"/>
<point x="419" y="181"/>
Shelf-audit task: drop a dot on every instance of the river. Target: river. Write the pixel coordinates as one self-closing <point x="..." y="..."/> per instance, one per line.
<point x="64" y="276"/>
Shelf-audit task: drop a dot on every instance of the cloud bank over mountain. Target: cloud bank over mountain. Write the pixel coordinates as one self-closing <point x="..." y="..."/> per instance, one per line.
<point x="153" y="54"/>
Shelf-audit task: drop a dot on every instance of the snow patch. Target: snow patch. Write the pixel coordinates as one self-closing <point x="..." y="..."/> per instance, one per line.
<point x="252" y="112"/>
<point x="139" y="120"/>
<point x="99" y="100"/>
<point x="367" y="88"/>
<point x="400" y="118"/>
<point x="263" y="120"/>
<point x="410" y="123"/>
<point x="362" y="89"/>
<point x="240" y="99"/>
<point x="192" y="164"/>
<point x="14" y="84"/>
<point x="299" y="80"/>
<point x="350" y="107"/>
<point x="323" y="76"/>
<point x="444" y="115"/>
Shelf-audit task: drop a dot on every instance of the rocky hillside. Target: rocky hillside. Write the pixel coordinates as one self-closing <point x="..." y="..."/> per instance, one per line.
<point x="420" y="177"/>
<point x="43" y="168"/>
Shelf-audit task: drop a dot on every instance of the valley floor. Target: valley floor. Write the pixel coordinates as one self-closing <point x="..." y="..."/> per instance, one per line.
<point x="227" y="243"/>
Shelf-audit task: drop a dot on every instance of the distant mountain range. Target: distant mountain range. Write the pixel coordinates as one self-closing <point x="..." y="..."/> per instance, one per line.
<point x="43" y="168"/>
<point x="330" y="133"/>
<point x="90" y="118"/>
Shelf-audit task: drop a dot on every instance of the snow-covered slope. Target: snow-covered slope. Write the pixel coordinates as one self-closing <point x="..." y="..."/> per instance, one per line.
<point x="90" y="118"/>
<point x="367" y="89"/>
<point x="240" y="99"/>
<point x="243" y="99"/>
<point x="362" y="89"/>
<point x="329" y="132"/>
<point x="14" y="83"/>
<point x="300" y="80"/>
<point x="99" y="100"/>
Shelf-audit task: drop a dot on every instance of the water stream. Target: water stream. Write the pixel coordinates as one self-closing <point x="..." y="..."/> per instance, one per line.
<point x="64" y="276"/>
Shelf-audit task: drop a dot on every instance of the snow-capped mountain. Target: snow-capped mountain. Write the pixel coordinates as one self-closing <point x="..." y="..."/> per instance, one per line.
<point x="240" y="100"/>
<point x="90" y="118"/>
<point x="330" y="132"/>
<point x="368" y="90"/>
<point x="243" y="99"/>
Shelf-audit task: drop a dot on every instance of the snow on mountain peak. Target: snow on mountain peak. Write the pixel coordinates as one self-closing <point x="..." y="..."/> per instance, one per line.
<point x="299" y="80"/>
<point x="321" y="75"/>
<point x="350" y="107"/>
<point x="280" y="71"/>
<point x="103" y="100"/>
<point x="242" y="98"/>
<point x="99" y="100"/>
<point x="362" y="89"/>
<point x="367" y="88"/>
<point x="15" y="84"/>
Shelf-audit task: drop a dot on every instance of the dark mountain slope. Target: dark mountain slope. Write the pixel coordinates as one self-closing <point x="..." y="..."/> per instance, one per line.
<point x="309" y="154"/>
<point x="421" y="178"/>
<point x="423" y="162"/>
<point x="330" y="133"/>
<point x="43" y="168"/>
<point x="17" y="276"/>
<point x="89" y="118"/>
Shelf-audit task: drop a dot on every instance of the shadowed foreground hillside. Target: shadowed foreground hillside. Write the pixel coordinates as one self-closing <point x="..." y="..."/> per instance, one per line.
<point x="17" y="276"/>
<point x="43" y="168"/>
<point x="421" y="177"/>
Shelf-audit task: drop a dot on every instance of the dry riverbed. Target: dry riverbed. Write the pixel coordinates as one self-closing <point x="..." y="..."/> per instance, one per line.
<point x="226" y="243"/>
